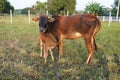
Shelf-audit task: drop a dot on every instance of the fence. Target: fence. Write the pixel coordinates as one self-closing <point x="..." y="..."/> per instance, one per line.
<point x="12" y="18"/>
<point x="23" y="19"/>
<point x="106" y="18"/>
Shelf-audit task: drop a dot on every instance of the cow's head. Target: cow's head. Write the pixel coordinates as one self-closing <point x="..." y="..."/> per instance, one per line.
<point x="43" y="22"/>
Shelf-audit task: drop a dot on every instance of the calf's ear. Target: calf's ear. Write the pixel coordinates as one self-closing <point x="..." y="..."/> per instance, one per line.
<point x="51" y="19"/>
<point x="35" y="19"/>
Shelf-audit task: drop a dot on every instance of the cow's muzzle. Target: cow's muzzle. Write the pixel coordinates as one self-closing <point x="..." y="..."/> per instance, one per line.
<point x="42" y="29"/>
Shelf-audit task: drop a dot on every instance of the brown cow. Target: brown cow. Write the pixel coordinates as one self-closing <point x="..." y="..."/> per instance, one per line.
<point x="48" y="43"/>
<point x="72" y="27"/>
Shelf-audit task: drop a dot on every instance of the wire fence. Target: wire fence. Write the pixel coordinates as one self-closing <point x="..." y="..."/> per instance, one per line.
<point x="13" y="18"/>
<point x="7" y="19"/>
<point x="107" y="18"/>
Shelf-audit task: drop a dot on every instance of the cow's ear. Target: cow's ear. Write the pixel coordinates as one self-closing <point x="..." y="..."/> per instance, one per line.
<point x="51" y="19"/>
<point x="35" y="19"/>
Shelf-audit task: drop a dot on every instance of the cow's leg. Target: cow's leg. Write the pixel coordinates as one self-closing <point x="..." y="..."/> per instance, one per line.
<point x="51" y="53"/>
<point x="41" y="47"/>
<point x="60" y="47"/>
<point x="45" y="54"/>
<point x="90" y="47"/>
<point x="95" y="46"/>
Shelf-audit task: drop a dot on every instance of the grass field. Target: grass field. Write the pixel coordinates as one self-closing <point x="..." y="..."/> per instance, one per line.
<point x="20" y="54"/>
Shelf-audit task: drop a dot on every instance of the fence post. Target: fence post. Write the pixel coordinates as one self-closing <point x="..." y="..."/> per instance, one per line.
<point x="117" y="15"/>
<point x="67" y="12"/>
<point x="11" y="16"/>
<point x="46" y="12"/>
<point x="29" y="16"/>
<point x="103" y="18"/>
<point x="110" y="19"/>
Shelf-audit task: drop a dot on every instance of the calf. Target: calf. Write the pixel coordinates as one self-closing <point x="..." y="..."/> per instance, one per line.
<point x="48" y="43"/>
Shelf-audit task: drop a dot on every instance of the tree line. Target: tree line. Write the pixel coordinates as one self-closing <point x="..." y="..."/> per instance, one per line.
<point x="61" y="7"/>
<point x="5" y="7"/>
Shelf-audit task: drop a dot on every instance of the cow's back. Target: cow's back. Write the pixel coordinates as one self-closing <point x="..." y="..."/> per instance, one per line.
<point x="72" y="26"/>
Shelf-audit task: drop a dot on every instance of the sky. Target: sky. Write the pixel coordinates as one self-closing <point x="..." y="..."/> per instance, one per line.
<point x="80" y="4"/>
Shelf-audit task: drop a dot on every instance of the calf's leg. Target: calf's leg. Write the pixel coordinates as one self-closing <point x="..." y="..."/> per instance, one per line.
<point x="45" y="54"/>
<point x="51" y="53"/>
<point x="41" y="47"/>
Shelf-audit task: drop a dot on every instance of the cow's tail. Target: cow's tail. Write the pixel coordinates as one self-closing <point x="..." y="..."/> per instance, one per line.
<point x="98" y="25"/>
<point x="97" y="29"/>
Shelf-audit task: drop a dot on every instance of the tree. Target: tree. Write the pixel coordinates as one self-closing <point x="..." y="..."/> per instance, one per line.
<point x="5" y="7"/>
<point x="25" y="10"/>
<point x="61" y="6"/>
<point x="39" y="7"/>
<point x="2" y="2"/>
<point x="92" y="8"/>
<point x="114" y="8"/>
<point x="103" y="11"/>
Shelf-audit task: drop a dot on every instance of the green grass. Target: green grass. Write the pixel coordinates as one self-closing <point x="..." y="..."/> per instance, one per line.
<point x="20" y="54"/>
